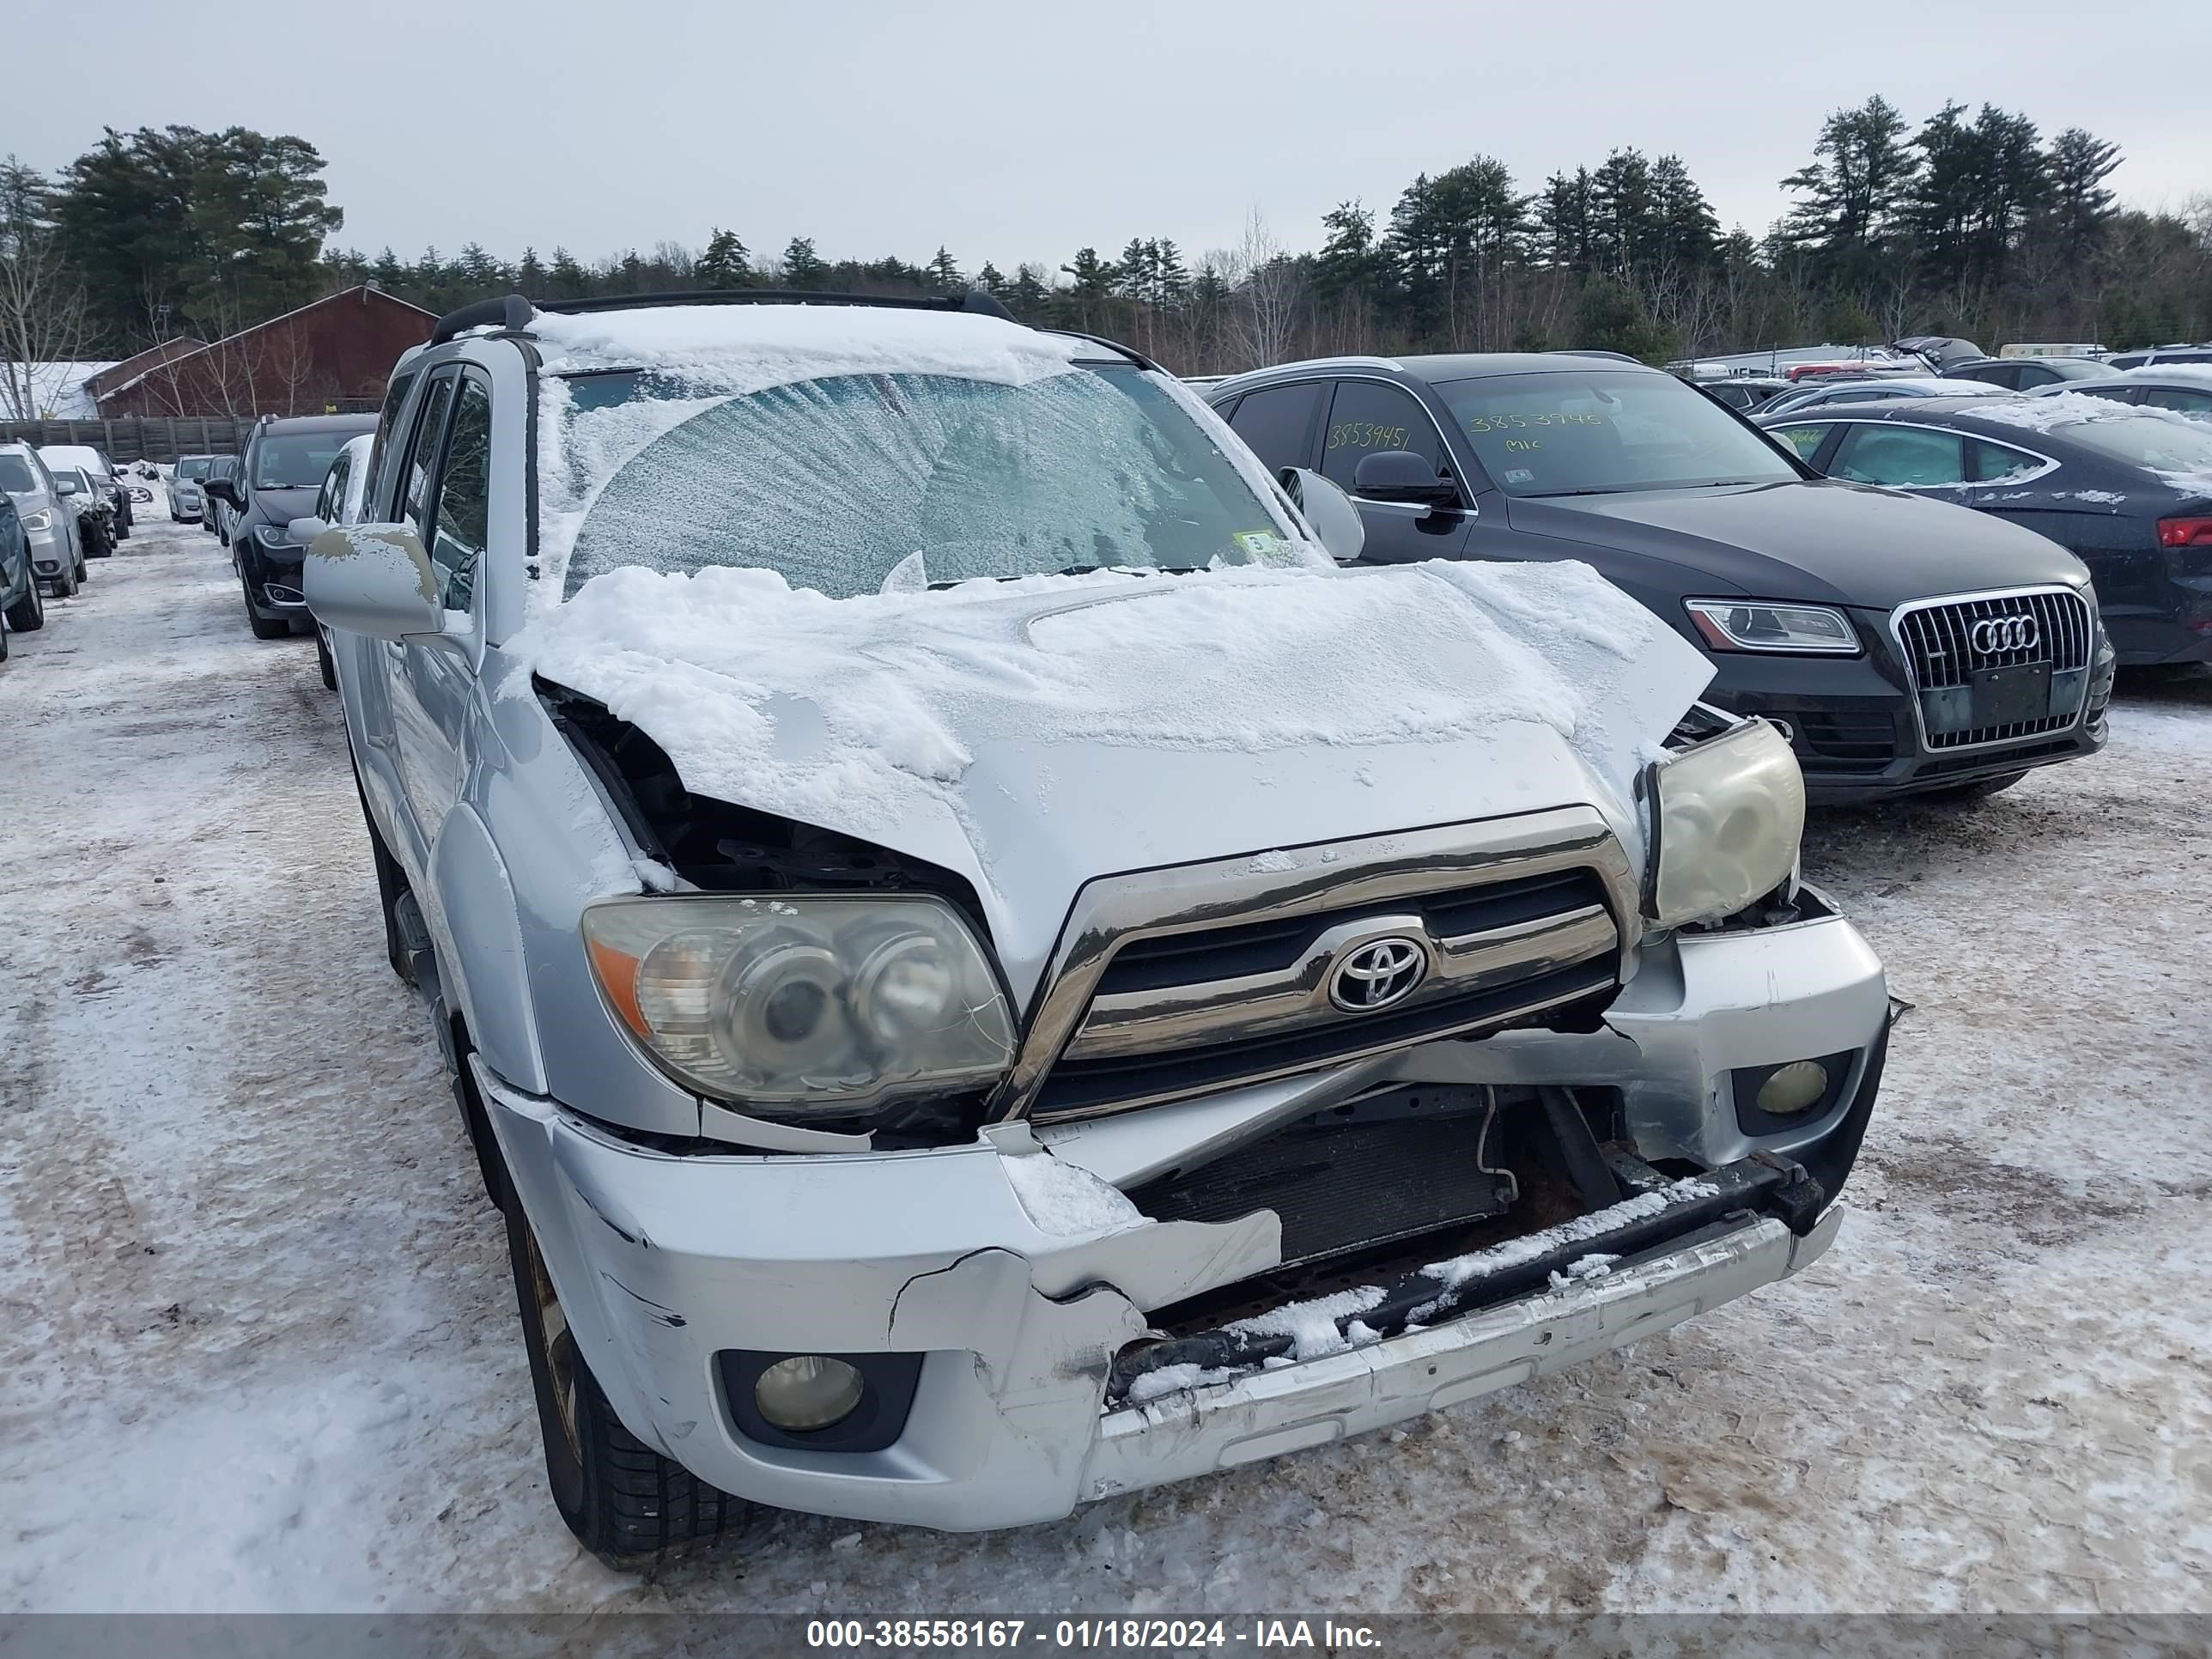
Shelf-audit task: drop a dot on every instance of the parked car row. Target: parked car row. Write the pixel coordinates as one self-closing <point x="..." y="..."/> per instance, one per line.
<point x="279" y="481"/>
<point x="62" y="515"/>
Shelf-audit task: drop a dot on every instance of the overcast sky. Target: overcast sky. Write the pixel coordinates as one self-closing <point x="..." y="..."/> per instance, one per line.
<point x="1013" y="131"/>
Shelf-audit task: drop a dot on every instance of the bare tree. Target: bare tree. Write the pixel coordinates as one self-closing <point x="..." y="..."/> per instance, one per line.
<point x="43" y="325"/>
<point x="1269" y="287"/>
<point x="291" y="361"/>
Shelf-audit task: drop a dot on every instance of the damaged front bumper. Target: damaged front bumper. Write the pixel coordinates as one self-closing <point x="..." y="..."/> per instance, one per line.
<point x="1021" y="1350"/>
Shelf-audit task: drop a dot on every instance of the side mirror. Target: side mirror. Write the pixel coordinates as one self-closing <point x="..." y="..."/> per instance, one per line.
<point x="64" y="487"/>
<point x="1329" y="512"/>
<point x="301" y="533"/>
<point x="1399" y="475"/>
<point x="373" y="579"/>
<point x="224" y="491"/>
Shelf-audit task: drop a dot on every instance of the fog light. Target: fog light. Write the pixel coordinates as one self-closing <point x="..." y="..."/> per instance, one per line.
<point x="1793" y="1088"/>
<point x="807" y="1391"/>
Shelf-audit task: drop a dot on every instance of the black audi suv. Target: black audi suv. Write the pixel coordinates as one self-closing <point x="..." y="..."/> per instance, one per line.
<point x="1853" y="617"/>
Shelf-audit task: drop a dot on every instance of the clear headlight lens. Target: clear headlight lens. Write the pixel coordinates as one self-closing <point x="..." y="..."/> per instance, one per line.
<point x="806" y="1003"/>
<point x="1747" y="625"/>
<point x="1728" y="815"/>
<point x="271" y="536"/>
<point x="41" y="519"/>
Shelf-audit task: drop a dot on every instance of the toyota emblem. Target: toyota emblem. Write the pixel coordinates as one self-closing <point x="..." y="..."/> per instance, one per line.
<point x="1994" y="634"/>
<point x="1379" y="973"/>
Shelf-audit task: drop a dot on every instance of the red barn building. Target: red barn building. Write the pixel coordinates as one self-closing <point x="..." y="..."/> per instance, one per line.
<point x="330" y="356"/>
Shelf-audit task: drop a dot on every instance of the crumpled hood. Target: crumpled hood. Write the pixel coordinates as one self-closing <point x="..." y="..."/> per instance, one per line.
<point x="1035" y="734"/>
<point x="1815" y="539"/>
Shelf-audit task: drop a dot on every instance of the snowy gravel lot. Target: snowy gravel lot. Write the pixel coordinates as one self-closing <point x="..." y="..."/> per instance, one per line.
<point x="258" y="1346"/>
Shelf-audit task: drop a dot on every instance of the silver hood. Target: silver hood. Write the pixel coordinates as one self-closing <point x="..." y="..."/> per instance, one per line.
<point x="1038" y="734"/>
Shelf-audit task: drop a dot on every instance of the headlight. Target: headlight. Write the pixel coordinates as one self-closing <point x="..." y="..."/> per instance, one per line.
<point x="803" y="1005"/>
<point x="1728" y="815"/>
<point x="1751" y="625"/>
<point x="270" y="536"/>
<point x="41" y="519"/>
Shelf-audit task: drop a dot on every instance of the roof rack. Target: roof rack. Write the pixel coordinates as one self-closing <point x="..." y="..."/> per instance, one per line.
<point x="512" y="311"/>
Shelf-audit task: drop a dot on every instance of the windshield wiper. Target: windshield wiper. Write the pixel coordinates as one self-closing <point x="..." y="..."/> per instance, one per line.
<point x="1547" y="494"/>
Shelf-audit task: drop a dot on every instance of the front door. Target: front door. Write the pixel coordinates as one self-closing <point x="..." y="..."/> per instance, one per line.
<point x="1369" y="417"/>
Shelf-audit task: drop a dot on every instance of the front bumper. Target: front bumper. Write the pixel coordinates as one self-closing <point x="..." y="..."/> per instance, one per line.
<point x="1853" y="722"/>
<point x="272" y="575"/>
<point x="666" y="1262"/>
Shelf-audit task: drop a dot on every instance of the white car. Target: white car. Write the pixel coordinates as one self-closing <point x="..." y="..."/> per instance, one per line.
<point x="339" y="502"/>
<point x="49" y="512"/>
<point x="93" y="462"/>
<point x="187" y="504"/>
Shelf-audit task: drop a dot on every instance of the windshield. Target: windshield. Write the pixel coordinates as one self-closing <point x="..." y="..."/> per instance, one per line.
<point x="1599" y="432"/>
<point x="194" y="467"/>
<point x="2157" y="442"/>
<point x="16" y="477"/>
<point x="833" y="482"/>
<point x="295" y="460"/>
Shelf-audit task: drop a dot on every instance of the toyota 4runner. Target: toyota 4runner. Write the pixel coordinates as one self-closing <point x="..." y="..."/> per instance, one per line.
<point x="984" y="971"/>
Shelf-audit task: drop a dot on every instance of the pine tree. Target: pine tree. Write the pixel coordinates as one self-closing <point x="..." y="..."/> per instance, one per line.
<point x="727" y="263"/>
<point x="1856" y="187"/>
<point x="1093" y="285"/>
<point x="124" y="212"/>
<point x="529" y="274"/>
<point x="990" y="279"/>
<point x="565" y="279"/>
<point x="943" y="274"/>
<point x="1684" y="231"/>
<point x="388" y="273"/>
<point x="1624" y="212"/>
<point x="803" y="268"/>
<point x="260" y="213"/>
<point x="1566" y="221"/>
<point x="2081" y="208"/>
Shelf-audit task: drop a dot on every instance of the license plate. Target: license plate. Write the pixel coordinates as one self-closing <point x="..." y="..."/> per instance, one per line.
<point x="2007" y="696"/>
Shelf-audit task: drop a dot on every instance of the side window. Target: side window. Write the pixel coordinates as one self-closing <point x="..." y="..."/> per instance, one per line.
<point x="1904" y="457"/>
<point x="2188" y="403"/>
<point x="1995" y="463"/>
<point x="395" y="396"/>
<point x="1366" y="419"/>
<point x="422" y="455"/>
<point x="1277" y="424"/>
<point x="2003" y="375"/>
<point x="333" y="490"/>
<point x="1805" y="439"/>
<point x="2034" y="374"/>
<point x="463" y="513"/>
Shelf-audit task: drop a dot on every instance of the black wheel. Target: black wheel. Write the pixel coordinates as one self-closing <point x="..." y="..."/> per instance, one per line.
<point x="323" y="661"/>
<point x="65" y="584"/>
<point x="1980" y="789"/>
<point x="624" y="1501"/>
<point x="28" y="614"/>
<point x="261" y="627"/>
<point x="391" y="884"/>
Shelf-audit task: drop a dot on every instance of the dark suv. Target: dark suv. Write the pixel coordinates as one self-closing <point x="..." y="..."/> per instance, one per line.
<point x="1853" y="617"/>
<point x="284" y="467"/>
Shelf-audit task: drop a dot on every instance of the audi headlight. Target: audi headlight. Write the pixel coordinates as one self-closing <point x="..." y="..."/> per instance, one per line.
<point x="1748" y="625"/>
<point x="41" y="519"/>
<point x="1727" y="815"/>
<point x="804" y="1004"/>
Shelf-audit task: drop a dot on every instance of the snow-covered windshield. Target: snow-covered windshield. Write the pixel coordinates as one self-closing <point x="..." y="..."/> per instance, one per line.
<point x="835" y="482"/>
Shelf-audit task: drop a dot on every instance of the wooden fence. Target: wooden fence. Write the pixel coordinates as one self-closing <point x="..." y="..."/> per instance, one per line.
<point x="134" y="440"/>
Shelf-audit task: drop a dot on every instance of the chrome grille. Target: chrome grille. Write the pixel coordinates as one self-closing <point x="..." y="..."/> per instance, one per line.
<point x="1159" y="998"/>
<point x="1944" y="653"/>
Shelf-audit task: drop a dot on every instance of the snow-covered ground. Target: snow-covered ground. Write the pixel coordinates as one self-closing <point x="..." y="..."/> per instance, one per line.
<point x="257" y="1349"/>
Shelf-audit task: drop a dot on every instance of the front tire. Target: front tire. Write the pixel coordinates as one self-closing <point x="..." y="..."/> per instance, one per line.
<point x="324" y="662"/>
<point x="263" y="627"/>
<point x="28" y="614"/>
<point x="625" y="1502"/>
<point x="65" y="584"/>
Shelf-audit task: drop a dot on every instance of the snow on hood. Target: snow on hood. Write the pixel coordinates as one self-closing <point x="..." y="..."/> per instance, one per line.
<point x="868" y="715"/>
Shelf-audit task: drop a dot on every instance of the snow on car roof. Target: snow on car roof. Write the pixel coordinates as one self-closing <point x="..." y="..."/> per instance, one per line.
<point x="2050" y="412"/>
<point x="738" y="349"/>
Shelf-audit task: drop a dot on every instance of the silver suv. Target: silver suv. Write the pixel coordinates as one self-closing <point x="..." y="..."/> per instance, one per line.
<point x="985" y="968"/>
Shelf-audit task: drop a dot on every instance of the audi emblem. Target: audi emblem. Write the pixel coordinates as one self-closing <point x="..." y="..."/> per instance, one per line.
<point x="1994" y="634"/>
<point x="1377" y="974"/>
